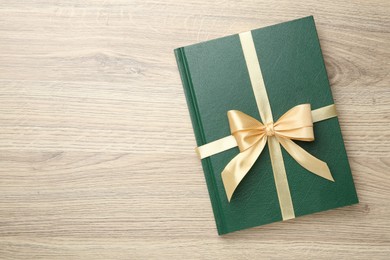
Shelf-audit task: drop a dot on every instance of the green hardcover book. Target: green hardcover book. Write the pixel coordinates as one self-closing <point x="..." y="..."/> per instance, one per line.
<point x="217" y="78"/>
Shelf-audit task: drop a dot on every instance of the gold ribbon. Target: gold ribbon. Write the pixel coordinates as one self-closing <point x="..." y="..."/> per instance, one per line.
<point x="251" y="136"/>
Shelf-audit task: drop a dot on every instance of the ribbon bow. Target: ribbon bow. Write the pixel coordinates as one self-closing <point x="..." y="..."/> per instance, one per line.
<point x="251" y="137"/>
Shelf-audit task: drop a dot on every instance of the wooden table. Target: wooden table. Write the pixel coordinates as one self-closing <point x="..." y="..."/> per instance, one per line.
<point x="97" y="150"/>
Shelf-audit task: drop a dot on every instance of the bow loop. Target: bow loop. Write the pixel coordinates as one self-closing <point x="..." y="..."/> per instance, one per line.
<point x="246" y="130"/>
<point x="239" y="121"/>
<point x="296" y="124"/>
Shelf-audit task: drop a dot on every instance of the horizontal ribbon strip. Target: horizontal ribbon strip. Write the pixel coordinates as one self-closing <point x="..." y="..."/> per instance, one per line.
<point x="230" y="142"/>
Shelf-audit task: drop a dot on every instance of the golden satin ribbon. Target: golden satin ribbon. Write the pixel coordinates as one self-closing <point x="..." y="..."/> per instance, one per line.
<point x="251" y="136"/>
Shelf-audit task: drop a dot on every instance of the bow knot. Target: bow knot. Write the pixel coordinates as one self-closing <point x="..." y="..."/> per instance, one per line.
<point x="269" y="129"/>
<point x="251" y="136"/>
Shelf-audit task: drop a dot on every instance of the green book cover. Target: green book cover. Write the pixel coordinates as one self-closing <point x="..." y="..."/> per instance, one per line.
<point x="215" y="79"/>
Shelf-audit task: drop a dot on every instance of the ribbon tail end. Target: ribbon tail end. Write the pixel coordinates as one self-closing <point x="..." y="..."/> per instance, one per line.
<point x="329" y="178"/>
<point x="239" y="166"/>
<point x="229" y="188"/>
<point x="306" y="160"/>
<point x="329" y="175"/>
<point x="325" y="173"/>
<point x="229" y="198"/>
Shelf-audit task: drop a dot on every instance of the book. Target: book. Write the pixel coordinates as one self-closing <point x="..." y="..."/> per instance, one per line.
<point x="215" y="78"/>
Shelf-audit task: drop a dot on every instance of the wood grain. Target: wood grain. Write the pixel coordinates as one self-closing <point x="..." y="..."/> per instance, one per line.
<point x="96" y="144"/>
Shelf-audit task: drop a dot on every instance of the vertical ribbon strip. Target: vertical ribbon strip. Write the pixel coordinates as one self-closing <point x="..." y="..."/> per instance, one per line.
<point x="260" y="93"/>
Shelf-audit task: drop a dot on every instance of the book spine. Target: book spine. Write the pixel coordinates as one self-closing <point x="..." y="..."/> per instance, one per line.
<point x="200" y="138"/>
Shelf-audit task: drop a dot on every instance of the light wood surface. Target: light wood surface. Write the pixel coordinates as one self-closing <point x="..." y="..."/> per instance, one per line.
<point x="96" y="146"/>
